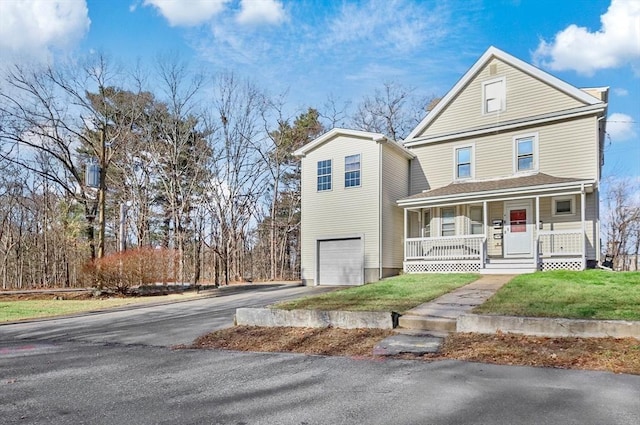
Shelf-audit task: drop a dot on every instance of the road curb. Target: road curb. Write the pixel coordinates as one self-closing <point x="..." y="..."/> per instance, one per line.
<point x="315" y="319"/>
<point x="548" y="327"/>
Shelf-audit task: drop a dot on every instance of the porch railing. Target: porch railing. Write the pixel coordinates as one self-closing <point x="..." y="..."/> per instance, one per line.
<point x="560" y="242"/>
<point x="467" y="247"/>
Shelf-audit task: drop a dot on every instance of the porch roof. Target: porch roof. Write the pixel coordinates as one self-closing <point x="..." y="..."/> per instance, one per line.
<point x="533" y="183"/>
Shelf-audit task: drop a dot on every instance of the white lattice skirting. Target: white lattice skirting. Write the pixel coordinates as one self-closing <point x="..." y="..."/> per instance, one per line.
<point x="441" y="267"/>
<point x="561" y="264"/>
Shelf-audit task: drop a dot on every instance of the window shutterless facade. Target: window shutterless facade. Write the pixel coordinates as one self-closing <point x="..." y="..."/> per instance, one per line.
<point x="352" y="171"/>
<point x="448" y="219"/>
<point x="493" y="96"/>
<point x="324" y="175"/>
<point x="525" y="150"/>
<point x="464" y="162"/>
<point x="476" y="220"/>
<point x="563" y="205"/>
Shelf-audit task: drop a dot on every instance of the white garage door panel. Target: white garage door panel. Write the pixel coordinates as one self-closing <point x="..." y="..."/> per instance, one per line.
<point x="340" y="262"/>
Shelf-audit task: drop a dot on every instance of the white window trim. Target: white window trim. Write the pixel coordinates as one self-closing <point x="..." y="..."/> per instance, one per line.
<point x="332" y="173"/>
<point x="470" y="221"/>
<point x="536" y="153"/>
<point x="359" y="169"/>
<point x="473" y="161"/>
<point x="555" y="200"/>
<point x="424" y="213"/>
<point x="503" y="100"/>
<point x="455" y="215"/>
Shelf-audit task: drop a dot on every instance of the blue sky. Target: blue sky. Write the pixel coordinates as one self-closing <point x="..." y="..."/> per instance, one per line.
<point x="346" y="49"/>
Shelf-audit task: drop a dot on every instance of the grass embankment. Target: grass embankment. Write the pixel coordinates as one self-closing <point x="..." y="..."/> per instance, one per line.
<point x="33" y="309"/>
<point x="590" y="294"/>
<point x="399" y="294"/>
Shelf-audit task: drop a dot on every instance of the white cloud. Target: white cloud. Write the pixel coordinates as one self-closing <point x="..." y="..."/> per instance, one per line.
<point x="620" y="127"/>
<point x="398" y="24"/>
<point x="619" y="91"/>
<point x="616" y="44"/>
<point x="253" y="12"/>
<point x="191" y="13"/>
<point x="34" y="27"/>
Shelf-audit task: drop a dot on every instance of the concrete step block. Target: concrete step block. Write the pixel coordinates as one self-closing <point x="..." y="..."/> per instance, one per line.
<point x="428" y="323"/>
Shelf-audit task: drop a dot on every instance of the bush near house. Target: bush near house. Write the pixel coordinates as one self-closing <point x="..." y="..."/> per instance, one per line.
<point x="121" y="271"/>
<point x="589" y="294"/>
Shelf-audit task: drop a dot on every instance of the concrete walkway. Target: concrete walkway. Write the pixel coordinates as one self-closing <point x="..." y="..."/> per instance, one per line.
<point x="423" y="328"/>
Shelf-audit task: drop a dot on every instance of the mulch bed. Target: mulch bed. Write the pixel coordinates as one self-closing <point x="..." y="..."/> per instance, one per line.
<point x="606" y="354"/>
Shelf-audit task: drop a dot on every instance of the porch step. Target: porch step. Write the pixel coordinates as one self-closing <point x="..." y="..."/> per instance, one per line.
<point x="510" y="270"/>
<point x="428" y="323"/>
<point x="508" y="266"/>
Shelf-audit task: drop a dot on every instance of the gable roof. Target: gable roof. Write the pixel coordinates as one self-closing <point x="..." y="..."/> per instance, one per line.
<point x="491" y="53"/>
<point x="335" y="132"/>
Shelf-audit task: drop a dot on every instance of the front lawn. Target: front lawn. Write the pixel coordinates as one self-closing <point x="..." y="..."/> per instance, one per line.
<point x="33" y="309"/>
<point x="590" y="294"/>
<point x="399" y="294"/>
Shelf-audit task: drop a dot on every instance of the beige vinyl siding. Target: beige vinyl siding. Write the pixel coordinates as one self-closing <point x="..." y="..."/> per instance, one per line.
<point x="340" y="212"/>
<point x="395" y="172"/>
<point x="566" y="149"/>
<point x="526" y="96"/>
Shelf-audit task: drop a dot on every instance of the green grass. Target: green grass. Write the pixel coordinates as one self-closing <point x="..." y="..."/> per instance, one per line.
<point x="590" y="294"/>
<point x="32" y="309"/>
<point x="398" y="294"/>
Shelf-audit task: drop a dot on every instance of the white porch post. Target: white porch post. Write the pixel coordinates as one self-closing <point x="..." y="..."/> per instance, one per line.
<point x="584" y="228"/>
<point x="406" y="226"/>
<point x="536" y="248"/>
<point x="485" y="226"/>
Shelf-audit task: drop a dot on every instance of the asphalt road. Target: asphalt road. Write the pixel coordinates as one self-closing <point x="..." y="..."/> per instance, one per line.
<point x="160" y="325"/>
<point x="103" y="369"/>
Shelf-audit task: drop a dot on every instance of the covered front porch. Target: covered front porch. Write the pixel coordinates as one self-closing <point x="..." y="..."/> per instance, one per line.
<point x="516" y="225"/>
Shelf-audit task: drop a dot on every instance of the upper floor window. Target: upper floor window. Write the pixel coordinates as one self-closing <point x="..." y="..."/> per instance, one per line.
<point x="493" y="96"/>
<point x="324" y="175"/>
<point x="464" y="162"/>
<point x="352" y="171"/>
<point x="525" y="153"/>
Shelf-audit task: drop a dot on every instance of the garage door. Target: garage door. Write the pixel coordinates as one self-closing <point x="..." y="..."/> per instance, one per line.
<point x="340" y="262"/>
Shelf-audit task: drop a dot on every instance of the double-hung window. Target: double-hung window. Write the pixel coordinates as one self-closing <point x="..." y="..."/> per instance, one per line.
<point x="525" y="153"/>
<point x="352" y="171"/>
<point x="324" y="175"/>
<point x="464" y="162"/>
<point x="448" y="218"/>
<point x="493" y="96"/>
<point x="475" y="217"/>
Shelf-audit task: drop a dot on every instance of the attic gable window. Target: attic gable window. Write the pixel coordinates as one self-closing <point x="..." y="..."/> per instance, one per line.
<point x="324" y="175"/>
<point x="493" y="96"/>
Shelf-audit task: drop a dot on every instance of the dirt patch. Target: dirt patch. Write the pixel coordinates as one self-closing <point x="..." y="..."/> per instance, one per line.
<point x="326" y="341"/>
<point x="606" y="354"/>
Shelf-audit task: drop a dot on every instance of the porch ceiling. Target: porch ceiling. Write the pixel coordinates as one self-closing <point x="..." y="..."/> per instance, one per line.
<point x="534" y="184"/>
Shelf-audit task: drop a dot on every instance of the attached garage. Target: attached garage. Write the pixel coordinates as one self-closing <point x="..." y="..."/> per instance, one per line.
<point x="341" y="261"/>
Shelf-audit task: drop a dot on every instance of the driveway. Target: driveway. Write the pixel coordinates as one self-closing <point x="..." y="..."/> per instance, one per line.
<point x="160" y="325"/>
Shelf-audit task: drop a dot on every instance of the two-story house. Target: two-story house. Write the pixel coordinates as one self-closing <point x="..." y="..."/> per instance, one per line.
<point x="502" y="176"/>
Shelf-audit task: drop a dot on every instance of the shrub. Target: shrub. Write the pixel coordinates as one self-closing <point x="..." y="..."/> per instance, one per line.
<point x="121" y="271"/>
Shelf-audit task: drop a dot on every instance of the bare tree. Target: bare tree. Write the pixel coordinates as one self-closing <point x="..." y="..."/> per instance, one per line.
<point x="622" y="221"/>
